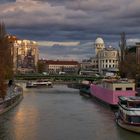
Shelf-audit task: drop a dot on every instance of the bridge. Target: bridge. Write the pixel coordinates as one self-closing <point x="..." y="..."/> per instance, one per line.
<point x="56" y="77"/>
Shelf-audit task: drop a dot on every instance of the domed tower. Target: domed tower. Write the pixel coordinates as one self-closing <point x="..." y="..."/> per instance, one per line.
<point x="99" y="45"/>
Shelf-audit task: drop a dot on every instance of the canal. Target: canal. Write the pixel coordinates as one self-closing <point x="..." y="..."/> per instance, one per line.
<point x="60" y="113"/>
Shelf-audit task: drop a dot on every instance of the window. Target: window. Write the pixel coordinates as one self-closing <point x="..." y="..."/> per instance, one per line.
<point x="134" y="119"/>
<point x="118" y="88"/>
<point x="129" y="88"/>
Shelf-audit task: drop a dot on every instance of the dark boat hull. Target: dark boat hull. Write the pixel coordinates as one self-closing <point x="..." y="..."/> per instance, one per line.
<point x="85" y="93"/>
<point x="84" y="90"/>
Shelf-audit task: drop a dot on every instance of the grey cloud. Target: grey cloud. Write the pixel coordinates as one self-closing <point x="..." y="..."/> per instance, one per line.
<point x="74" y="20"/>
<point x="71" y="19"/>
<point x="5" y="1"/>
<point x="82" y="51"/>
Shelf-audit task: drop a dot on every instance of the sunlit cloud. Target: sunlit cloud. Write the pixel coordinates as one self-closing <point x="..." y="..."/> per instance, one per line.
<point x="53" y="43"/>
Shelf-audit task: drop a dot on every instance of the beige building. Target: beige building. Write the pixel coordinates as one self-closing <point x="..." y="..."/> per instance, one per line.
<point x="25" y="55"/>
<point x="106" y="58"/>
<point x="99" y="45"/>
<point x="61" y="67"/>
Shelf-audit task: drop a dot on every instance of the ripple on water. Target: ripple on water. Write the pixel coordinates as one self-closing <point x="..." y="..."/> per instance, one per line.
<point x="60" y="113"/>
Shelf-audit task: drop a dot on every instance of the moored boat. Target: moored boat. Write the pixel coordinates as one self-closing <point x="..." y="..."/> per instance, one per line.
<point x="84" y="89"/>
<point x="39" y="83"/>
<point x="109" y="90"/>
<point x="128" y="115"/>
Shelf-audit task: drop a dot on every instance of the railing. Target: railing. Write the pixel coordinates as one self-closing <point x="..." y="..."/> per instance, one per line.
<point x="10" y="101"/>
<point x="56" y="77"/>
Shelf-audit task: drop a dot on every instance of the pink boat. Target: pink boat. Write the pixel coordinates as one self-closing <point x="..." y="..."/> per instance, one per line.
<point x="109" y="90"/>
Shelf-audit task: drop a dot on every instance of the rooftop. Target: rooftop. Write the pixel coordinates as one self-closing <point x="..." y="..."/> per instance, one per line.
<point x="61" y="62"/>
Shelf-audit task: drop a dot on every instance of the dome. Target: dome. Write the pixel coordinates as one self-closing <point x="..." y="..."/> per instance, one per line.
<point x="99" y="40"/>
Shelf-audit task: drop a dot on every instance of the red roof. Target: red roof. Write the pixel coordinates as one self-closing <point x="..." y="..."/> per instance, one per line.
<point x="61" y="62"/>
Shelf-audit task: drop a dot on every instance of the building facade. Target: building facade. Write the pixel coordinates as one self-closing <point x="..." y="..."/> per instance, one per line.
<point x="105" y="58"/>
<point x="134" y="49"/>
<point x="61" y="67"/>
<point x="25" y="55"/>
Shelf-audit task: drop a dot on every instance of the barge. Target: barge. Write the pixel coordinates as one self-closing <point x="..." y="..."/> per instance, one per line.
<point x="109" y="90"/>
<point x="84" y="89"/>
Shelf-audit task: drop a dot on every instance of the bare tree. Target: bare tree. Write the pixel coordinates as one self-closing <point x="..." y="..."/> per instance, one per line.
<point x="6" y="69"/>
<point x="122" y="59"/>
<point x="128" y="65"/>
<point x="41" y="66"/>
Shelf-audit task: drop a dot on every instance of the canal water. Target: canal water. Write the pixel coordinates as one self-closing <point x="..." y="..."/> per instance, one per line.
<point x="60" y="113"/>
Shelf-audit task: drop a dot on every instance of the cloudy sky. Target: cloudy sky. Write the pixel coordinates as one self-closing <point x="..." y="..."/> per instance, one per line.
<point x="67" y="29"/>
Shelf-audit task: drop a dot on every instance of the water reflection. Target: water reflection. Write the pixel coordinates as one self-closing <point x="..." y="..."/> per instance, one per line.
<point x="60" y="113"/>
<point x="23" y="120"/>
